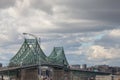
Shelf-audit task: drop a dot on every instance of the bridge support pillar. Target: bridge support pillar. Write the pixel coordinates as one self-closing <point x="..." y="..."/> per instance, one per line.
<point x="29" y="74"/>
<point x="2" y="77"/>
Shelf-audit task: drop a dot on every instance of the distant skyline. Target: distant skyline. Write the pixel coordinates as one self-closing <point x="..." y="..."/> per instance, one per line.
<point x="89" y="30"/>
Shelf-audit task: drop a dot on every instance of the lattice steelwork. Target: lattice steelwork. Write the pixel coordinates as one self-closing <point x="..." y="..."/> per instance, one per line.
<point x="30" y="53"/>
<point x="57" y="56"/>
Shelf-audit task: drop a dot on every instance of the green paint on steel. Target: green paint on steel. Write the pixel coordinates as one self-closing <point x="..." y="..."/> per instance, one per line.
<point x="57" y="56"/>
<point x="31" y="53"/>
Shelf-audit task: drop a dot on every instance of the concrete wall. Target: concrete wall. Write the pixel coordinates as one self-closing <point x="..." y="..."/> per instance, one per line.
<point x="110" y="77"/>
<point x="79" y="76"/>
<point x="58" y="74"/>
<point x="117" y="77"/>
<point x="29" y="74"/>
<point x="103" y="77"/>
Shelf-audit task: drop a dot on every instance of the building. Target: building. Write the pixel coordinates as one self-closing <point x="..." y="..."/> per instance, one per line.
<point x="84" y="67"/>
<point x="110" y="77"/>
<point x="105" y="68"/>
<point x="0" y="64"/>
<point x="77" y="66"/>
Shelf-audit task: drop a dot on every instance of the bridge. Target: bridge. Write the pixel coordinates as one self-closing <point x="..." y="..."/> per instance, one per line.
<point x="30" y="63"/>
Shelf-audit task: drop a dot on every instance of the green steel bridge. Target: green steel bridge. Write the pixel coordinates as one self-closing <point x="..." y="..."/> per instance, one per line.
<point x="31" y="56"/>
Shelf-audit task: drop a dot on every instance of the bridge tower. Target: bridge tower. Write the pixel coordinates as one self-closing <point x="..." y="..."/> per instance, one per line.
<point x="33" y="64"/>
<point x="30" y="53"/>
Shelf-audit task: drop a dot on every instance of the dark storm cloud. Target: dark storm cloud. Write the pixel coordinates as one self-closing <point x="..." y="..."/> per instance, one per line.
<point x="102" y="10"/>
<point x="102" y="14"/>
<point x="6" y="3"/>
<point x="65" y="27"/>
<point x="91" y="4"/>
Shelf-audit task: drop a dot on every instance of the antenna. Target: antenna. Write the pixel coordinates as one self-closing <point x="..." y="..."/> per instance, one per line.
<point x="28" y="34"/>
<point x="39" y="40"/>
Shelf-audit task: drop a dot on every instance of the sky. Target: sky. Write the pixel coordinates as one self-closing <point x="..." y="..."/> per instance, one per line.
<point x="89" y="30"/>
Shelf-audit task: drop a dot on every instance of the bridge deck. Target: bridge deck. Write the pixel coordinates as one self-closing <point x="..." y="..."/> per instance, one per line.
<point x="4" y="69"/>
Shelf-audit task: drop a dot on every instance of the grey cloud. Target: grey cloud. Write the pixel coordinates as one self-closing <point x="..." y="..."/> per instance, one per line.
<point x="93" y="4"/>
<point x="105" y="11"/>
<point x="90" y="3"/>
<point x="42" y="5"/>
<point x="77" y="59"/>
<point x="97" y="16"/>
<point x="6" y="3"/>
<point x="109" y="41"/>
<point x="114" y="62"/>
<point x="104" y="15"/>
<point x="65" y="27"/>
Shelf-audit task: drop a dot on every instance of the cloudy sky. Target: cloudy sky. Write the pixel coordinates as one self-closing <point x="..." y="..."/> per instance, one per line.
<point x="89" y="30"/>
